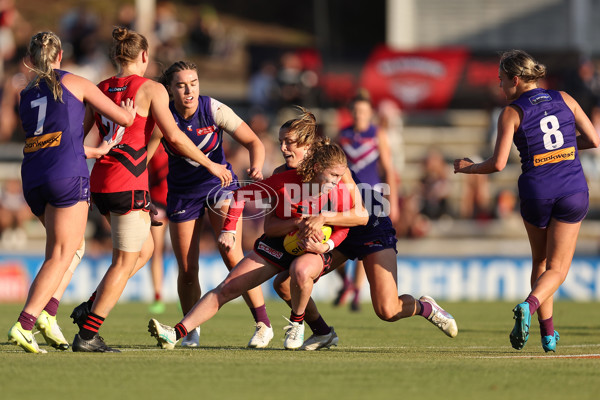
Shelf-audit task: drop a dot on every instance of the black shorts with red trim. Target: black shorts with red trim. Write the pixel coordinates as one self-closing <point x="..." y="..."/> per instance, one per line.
<point x="122" y="202"/>
<point x="271" y="249"/>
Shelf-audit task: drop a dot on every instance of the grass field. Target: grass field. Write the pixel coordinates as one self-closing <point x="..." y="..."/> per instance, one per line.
<point x="408" y="359"/>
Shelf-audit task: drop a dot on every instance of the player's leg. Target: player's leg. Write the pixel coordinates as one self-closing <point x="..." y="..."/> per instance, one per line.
<point x="129" y="233"/>
<point x="157" y="265"/>
<point x="263" y="331"/>
<point x="252" y="271"/>
<point x="185" y="239"/>
<point x="64" y="229"/>
<point x="381" y="270"/>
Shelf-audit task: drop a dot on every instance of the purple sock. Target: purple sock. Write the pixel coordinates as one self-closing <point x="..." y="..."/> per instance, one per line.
<point x="52" y="307"/>
<point x="27" y="320"/>
<point x="260" y="315"/>
<point x="426" y="309"/>
<point x="319" y="327"/>
<point x="533" y="302"/>
<point x="546" y="327"/>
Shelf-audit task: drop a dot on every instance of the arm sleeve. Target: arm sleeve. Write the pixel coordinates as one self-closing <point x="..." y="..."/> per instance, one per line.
<point x="255" y="191"/>
<point x="225" y="117"/>
<point x="338" y="235"/>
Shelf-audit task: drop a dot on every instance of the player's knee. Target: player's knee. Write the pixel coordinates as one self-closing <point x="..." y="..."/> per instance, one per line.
<point x="189" y="272"/>
<point x="227" y="291"/>
<point x="300" y="275"/>
<point x="386" y="311"/>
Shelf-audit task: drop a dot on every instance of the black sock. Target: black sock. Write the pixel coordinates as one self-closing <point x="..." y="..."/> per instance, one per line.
<point x="297" y="318"/>
<point x="180" y="331"/>
<point x="91" y="326"/>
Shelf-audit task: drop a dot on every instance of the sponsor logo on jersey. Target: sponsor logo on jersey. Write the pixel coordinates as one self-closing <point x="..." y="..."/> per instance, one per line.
<point x="39" y="142"/>
<point x="269" y="250"/>
<point x="554" y="156"/>
<point x="206" y="130"/>
<point x="117" y="89"/>
<point x="189" y="128"/>
<point x="540" y="98"/>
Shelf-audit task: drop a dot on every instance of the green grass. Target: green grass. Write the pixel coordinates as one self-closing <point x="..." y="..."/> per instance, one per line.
<point x="407" y="359"/>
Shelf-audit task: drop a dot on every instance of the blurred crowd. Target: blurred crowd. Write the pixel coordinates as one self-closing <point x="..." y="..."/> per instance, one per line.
<point x="274" y="85"/>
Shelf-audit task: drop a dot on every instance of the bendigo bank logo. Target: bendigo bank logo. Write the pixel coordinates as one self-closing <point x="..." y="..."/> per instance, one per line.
<point x="36" y="143"/>
<point x="255" y="198"/>
<point x="554" y="156"/>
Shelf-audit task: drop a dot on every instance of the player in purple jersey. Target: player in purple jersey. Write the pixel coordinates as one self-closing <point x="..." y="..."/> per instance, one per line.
<point x="374" y="243"/>
<point x="56" y="180"/>
<point x="543" y="124"/>
<point x="192" y="189"/>
<point x="367" y="148"/>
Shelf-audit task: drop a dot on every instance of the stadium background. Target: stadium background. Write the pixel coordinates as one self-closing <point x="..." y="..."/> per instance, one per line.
<point x="432" y="61"/>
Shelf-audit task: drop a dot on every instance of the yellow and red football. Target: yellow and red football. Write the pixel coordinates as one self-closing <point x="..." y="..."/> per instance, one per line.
<point x="290" y="242"/>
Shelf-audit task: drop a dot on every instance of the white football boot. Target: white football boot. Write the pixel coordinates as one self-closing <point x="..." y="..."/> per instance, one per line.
<point x="262" y="336"/>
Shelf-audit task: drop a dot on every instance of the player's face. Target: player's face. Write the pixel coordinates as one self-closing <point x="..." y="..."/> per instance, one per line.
<point x="292" y="153"/>
<point x="330" y="177"/>
<point x="185" y="91"/>
<point x="362" y="112"/>
<point x="507" y="85"/>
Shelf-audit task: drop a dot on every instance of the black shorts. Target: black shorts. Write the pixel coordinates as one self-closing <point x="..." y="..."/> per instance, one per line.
<point x="271" y="249"/>
<point x="122" y="202"/>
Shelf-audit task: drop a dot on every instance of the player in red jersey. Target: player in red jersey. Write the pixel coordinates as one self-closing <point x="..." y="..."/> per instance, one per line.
<point x="373" y="241"/>
<point x="311" y="189"/>
<point x="119" y="180"/>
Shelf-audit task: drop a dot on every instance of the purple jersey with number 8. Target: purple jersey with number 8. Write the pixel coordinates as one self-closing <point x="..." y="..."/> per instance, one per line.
<point x="547" y="144"/>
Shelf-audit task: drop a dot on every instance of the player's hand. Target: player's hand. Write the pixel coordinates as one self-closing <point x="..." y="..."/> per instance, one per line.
<point x="310" y="227"/>
<point x="255" y="174"/>
<point x="461" y="164"/>
<point x="104" y="148"/>
<point x="314" y="246"/>
<point x="221" y="172"/>
<point x="153" y="214"/>
<point x="226" y="241"/>
<point x="128" y="105"/>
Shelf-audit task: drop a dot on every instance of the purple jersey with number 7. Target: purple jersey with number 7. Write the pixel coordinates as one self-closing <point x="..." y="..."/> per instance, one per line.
<point x="547" y="144"/>
<point x="53" y="135"/>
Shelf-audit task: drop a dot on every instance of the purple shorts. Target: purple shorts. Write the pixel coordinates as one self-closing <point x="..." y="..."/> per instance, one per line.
<point x="60" y="193"/>
<point x="183" y="208"/>
<point x="570" y="209"/>
<point x="377" y="235"/>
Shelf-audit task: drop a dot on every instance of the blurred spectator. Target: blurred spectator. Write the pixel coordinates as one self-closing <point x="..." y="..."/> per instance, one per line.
<point x="168" y="32"/>
<point x="82" y="45"/>
<point x="475" y="196"/>
<point x="411" y="223"/>
<point x="507" y="205"/>
<point x="126" y="16"/>
<point x="262" y="88"/>
<point x="435" y="185"/>
<point x="10" y="127"/>
<point x="12" y="27"/>
<point x="289" y="79"/>
<point x="14" y="213"/>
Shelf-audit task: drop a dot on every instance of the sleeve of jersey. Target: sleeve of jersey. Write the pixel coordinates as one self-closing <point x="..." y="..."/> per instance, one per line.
<point x="338" y="234"/>
<point x="252" y="192"/>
